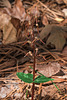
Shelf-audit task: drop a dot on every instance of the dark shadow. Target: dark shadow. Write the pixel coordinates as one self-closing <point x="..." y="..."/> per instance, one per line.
<point x="60" y="73"/>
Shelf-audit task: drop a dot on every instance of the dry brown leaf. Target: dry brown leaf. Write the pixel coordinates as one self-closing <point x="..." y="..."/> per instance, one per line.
<point x="5" y="3"/>
<point x="45" y="20"/>
<point x="45" y="31"/>
<point x="4" y="19"/>
<point x="56" y="38"/>
<point x="9" y="34"/>
<point x="55" y="35"/>
<point x="49" y="69"/>
<point x="17" y="11"/>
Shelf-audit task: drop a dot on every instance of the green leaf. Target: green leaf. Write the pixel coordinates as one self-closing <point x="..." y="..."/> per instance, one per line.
<point x="30" y="67"/>
<point x="56" y="86"/>
<point x="26" y="94"/>
<point x="28" y="78"/>
<point x="42" y="79"/>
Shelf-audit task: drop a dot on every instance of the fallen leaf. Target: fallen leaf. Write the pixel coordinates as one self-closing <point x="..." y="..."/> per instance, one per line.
<point x="49" y="69"/>
<point x="4" y="19"/>
<point x="9" y="34"/>
<point x="56" y="38"/>
<point x="17" y="11"/>
<point x="5" y="3"/>
<point x="45" y="31"/>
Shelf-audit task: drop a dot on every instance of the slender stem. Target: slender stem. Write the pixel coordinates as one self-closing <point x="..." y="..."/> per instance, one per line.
<point x="33" y="68"/>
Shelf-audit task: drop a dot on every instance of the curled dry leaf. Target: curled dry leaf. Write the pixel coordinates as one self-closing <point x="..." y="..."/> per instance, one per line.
<point x="4" y="19"/>
<point x="9" y="34"/>
<point x="45" y="20"/>
<point x="49" y="69"/>
<point x="17" y="11"/>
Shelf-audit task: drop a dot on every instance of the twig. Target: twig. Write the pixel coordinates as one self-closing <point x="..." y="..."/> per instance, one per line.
<point x="39" y="92"/>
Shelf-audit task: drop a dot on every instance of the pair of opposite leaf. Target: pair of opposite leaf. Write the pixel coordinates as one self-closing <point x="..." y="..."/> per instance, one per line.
<point x="28" y="78"/>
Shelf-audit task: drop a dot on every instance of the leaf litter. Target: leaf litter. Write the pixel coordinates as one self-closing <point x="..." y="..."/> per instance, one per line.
<point x="16" y="46"/>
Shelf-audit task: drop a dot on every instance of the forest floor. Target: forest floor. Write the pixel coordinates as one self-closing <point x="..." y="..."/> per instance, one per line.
<point x="47" y="19"/>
